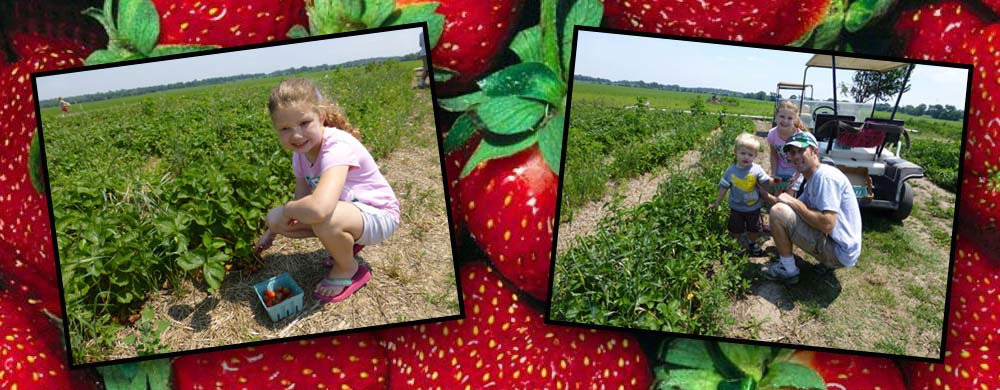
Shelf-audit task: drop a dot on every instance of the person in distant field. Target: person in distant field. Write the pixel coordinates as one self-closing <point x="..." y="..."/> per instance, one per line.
<point x="824" y="220"/>
<point x="340" y="195"/>
<point x="742" y="180"/>
<point x="425" y="71"/>
<point x="63" y="106"/>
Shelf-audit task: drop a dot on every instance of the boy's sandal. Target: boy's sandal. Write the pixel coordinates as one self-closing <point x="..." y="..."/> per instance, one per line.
<point x="328" y="260"/>
<point x="351" y="285"/>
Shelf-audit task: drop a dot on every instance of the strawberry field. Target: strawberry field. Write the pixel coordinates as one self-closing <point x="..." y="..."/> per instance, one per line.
<point x="174" y="185"/>
<point x="633" y="141"/>
<point x="664" y="265"/>
<point x="662" y="260"/>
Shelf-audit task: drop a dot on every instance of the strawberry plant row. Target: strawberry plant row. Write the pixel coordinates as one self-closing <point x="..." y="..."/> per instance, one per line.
<point x="940" y="161"/>
<point x="175" y="184"/>
<point x="634" y="142"/>
<point x="664" y="265"/>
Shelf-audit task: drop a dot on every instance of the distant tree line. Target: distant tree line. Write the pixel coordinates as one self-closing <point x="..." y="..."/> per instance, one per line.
<point x="222" y="80"/>
<point x="937" y="111"/>
<point x="760" y="95"/>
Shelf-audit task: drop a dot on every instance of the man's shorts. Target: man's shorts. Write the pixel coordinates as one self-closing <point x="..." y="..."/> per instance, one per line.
<point x="814" y="242"/>
<point x="379" y="224"/>
<point x="744" y="221"/>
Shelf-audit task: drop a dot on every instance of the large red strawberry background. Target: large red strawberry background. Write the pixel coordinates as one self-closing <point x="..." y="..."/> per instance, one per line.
<point x="503" y="342"/>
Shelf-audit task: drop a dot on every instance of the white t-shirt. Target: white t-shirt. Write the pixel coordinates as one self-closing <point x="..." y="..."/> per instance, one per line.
<point x="829" y="190"/>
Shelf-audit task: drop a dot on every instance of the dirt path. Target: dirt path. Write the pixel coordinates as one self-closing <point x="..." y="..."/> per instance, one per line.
<point x="413" y="273"/>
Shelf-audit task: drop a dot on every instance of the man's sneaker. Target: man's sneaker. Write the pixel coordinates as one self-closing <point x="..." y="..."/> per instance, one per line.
<point x="777" y="272"/>
<point x="755" y="250"/>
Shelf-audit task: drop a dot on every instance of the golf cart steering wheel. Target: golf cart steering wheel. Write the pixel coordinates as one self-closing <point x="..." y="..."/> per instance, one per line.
<point x="832" y="111"/>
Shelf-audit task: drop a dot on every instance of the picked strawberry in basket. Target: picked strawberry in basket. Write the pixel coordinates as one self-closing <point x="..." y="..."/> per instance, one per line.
<point x="280" y="295"/>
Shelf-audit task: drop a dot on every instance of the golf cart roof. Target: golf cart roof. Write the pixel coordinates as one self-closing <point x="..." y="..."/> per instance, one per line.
<point x="852" y="63"/>
<point x="788" y="85"/>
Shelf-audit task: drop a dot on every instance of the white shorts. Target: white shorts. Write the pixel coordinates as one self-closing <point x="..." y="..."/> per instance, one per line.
<point x="378" y="224"/>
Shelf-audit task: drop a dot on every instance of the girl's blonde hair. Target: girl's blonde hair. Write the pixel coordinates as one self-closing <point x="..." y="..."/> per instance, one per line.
<point x="794" y="108"/>
<point x="305" y="94"/>
<point x="747" y="140"/>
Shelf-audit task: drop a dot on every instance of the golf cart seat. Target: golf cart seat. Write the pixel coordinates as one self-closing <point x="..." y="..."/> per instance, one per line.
<point x="872" y="133"/>
<point x="890" y="131"/>
<point x="827" y="128"/>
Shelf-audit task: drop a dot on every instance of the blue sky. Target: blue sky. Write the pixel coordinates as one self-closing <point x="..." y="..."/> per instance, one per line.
<point x="264" y="60"/>
<point x="738" y="68"/>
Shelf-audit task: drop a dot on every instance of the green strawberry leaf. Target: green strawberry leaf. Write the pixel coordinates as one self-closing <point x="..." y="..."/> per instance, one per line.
<point x="334" y="16"/>
<point x="190" y="261"/>
<point x="150" y="374"/>
<point x="526" y="44"/>
<point x="826" y="35"/>
<point x="463" y="102"/>
<point x="550" y="36"/>
<point x="297" y="31"/>
<point x="351" y="9"/>
<point x="139" y="24"/>
<point x="529" y="80"/>
<point x="747" y="358"/>
<point x="862" y="12"/>
<point x="166" y="50"/>
<point x="510" y="115"/>
<point x="416" y="13"/>
<point x="783" y="375"/>
<point x="685" y="379"/>
<point x="377" y="11"/>
<point x="583" y="13"/>
<point x="36" y="165"/>
<point x="688" y="353"/>
<point x="459" y="133"/>
<point x="443" y="74"/>
<point x="492" y="147"/>
<point x="107" y="56"/>
<point x="214" y="270"/>
<point x="550" y="141"/>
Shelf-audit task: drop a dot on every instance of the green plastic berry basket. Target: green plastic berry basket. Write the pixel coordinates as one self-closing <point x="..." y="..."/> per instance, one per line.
<point x="289" y="306"/>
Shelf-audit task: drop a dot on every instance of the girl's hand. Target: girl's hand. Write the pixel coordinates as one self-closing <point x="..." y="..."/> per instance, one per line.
<point x="264" y="242"/>
<point x="713" y="205"/>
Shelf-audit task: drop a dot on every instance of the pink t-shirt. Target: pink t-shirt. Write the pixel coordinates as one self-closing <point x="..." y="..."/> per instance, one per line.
<point x="785" y="167"/>
<point x="364" y="182"/>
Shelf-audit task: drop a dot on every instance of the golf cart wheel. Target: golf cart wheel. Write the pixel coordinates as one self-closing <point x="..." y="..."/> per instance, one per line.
<point x="905" y="204"/>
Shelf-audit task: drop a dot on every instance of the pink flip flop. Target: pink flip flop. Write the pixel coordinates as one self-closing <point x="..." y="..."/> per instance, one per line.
<point x="351" y="285"/>
<point x="328" y="261"/>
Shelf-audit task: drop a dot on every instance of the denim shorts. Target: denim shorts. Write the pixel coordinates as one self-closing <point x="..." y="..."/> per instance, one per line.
<point x="378" y="224"/>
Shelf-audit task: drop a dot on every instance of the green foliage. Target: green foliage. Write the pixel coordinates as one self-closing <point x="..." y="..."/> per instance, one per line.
<point x="940" y="161"/>
<point x="608" y="143"/>
<point x="176" y="184"/>
<point x="150" y="329"/>
<point x="697" y="106"/>
<point x="869" y="85"/>
<point x="663" y="265"/>
<point x="621" y="96"/>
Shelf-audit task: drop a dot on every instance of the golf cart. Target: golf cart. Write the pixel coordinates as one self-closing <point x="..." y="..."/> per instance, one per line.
<point x="851" y="139"/>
